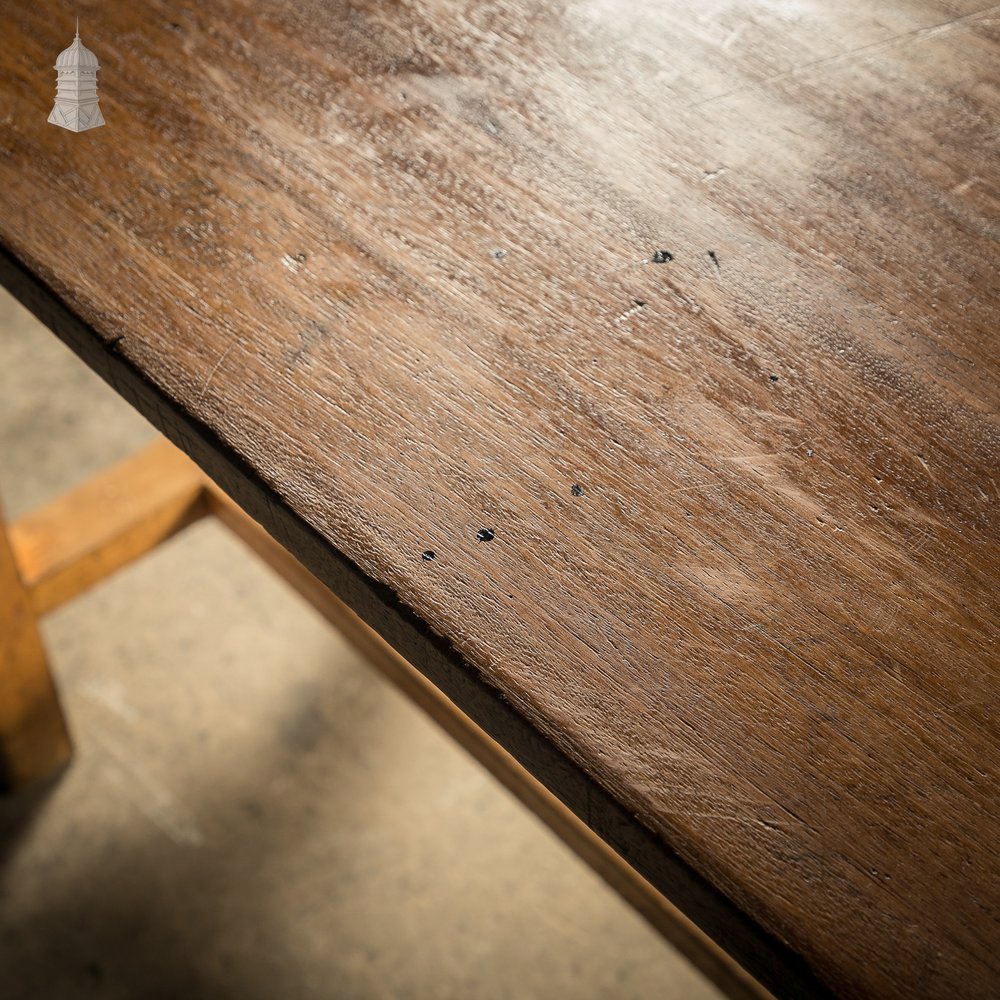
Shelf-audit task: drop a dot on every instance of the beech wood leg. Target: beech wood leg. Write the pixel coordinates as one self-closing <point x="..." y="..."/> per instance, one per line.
<point x="34" y="741"/>
<point x="57" y="552"/>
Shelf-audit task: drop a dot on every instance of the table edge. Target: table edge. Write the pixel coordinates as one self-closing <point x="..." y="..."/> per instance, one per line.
<point x="763" y="955"/>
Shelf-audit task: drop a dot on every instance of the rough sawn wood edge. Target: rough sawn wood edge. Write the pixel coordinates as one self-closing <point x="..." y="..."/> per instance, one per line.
<point x="763" y="955"/>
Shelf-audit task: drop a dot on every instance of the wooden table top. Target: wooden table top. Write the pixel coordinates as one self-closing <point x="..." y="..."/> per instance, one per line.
<point x="670" y="329"/>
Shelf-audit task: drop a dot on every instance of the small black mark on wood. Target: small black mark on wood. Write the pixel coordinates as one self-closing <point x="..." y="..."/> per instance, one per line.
<point x="301" y="257"/>
<point x="773" y="378"/>
<point x="809" y="453"/>
<point x="662" y="257"/>
<point x="639" y="302"/>
<point x="499" y="254"/>
<point x="174" y="26"/>
<point x="715" y="259"/>
<point x="114" y="342"/>
<point x="428" y="555"/>
<point x="576" y="489"/>
<point x="485" y="535"/>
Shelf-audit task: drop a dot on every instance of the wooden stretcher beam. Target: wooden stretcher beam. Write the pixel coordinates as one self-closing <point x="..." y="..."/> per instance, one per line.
<point x="107" y="522"/>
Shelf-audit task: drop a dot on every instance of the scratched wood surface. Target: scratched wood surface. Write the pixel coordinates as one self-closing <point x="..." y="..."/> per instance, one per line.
<point x="693" y="306"/>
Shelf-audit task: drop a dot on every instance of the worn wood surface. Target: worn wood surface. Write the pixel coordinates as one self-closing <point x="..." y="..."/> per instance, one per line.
<point x="395" y="273"/>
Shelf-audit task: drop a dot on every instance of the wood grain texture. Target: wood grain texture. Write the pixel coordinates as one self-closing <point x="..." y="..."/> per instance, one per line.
<point x="386" y="271"/>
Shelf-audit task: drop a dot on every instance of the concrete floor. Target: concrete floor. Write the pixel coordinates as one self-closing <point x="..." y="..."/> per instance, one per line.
<point x="253" y="812"/>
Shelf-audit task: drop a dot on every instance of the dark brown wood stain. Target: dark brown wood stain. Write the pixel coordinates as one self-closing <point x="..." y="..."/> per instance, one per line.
<point x="376" y="267"/>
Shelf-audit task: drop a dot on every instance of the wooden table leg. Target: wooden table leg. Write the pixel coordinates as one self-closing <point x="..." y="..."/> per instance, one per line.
<point x="34" y="740"/>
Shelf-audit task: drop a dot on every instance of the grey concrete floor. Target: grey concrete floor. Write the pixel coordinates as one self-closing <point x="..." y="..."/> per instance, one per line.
<point x="252" y="811"/>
